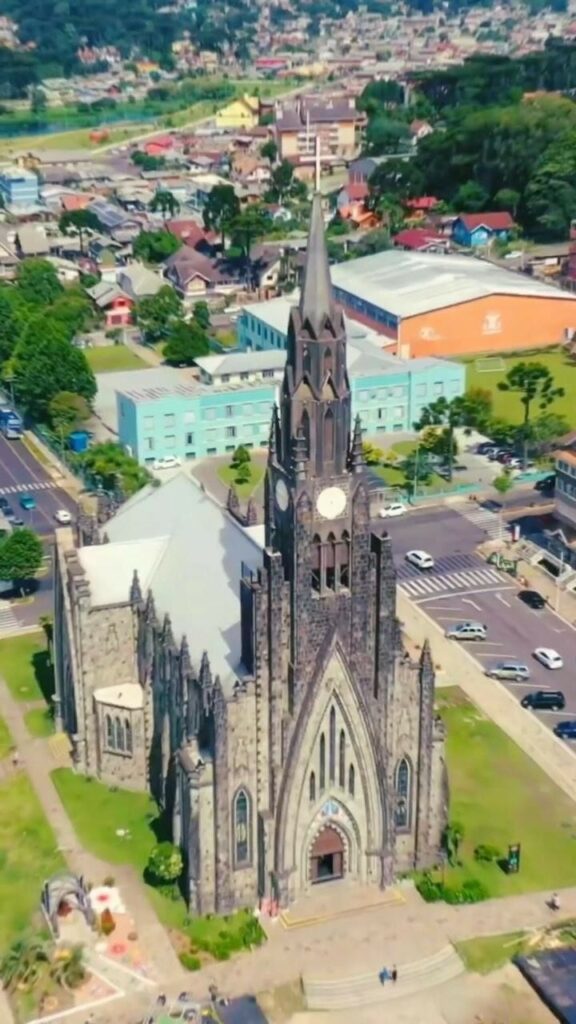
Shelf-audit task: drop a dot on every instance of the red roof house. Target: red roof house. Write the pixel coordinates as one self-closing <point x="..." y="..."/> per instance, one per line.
<point x="420" y="240"/>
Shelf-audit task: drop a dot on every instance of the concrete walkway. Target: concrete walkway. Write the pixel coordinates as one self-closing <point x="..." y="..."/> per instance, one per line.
<point x="37" y="761"/>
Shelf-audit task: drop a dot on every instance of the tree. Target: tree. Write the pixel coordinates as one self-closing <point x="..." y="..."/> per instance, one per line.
<point x="22" y="962"/>
<point x="37" y="282"/>
<point x="221" y="210"/>
<point x="9" y="329"/>
<point x="269" y="150"/>
<point x="470" y="198"/>
<point x="372" y="454"/>
<point x="247" y="227"/>
<point x="452" y="837"/>
<point x="477" y="408"/>
<point x="283" y="184"/>
<point x="547" y="429"/>
<point x="67" y="967"/>
<point x="446" y="413"/>
<point x="67" y="411"/>
<point x="400" y="178"/>
<point x="45" y="363"/>
<point x="155" y="246"/>
<point x="80" y="221"/>
<point x="113" y="469"/>
<point x="37" y="101"/>
<point x="384" y="135"/>
<point x="165" y="202"/>
<point x="21" y="555"/>
<point x="534" y="383"/>
<point x="201" y="314"/>
<point x="503" y="483"/>
<point x="417" y="469"/>
<point x="165" y="863"/>
<point x="155" y="314"/>
<point x="241" y="456"/>
<point x="507" y="199"/>
<point x="186" y="343"/>
<point x="73" y="310"/>
<point x="243" y="473"/>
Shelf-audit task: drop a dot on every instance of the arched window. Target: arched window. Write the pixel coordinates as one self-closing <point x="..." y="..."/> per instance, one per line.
<point x="128" y="735"/>
<point x="329" y="436"/>
<point x="342" y="760"/>
<point x="109" y="733"/>
<point x="351" y="780"/>
<point x="119" y="729"/>
<point x="305" y="428"/>
<point x="316" y="563"/>
<point x="330" y="561"/>
<point x="322" y="763"/>
<point x="306" y="360"/>
<point x="345" y="560"/>
<point x="241" y="828"/>
<point x="332" y="754"/>
<point x="403" y="790"/>
<point x="312" y="785"/>
<point x="327" y="361"/>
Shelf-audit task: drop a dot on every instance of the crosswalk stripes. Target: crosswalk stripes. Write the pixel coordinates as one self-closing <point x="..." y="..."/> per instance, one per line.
<point x="44" y="485"/>
<point x="469" y="580"/>
<point x="490" y="522"/>
<point x="8" y="621"/>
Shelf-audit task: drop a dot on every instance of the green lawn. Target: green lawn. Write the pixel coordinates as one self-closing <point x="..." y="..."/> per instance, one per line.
<point x="28" y="855"/>
<point x="491" y="951"/>
<point x="393" y="475"/>
<point x="507" y="405"/>
<point x="501" y="796"/>
<point x="113" y="358"/>
<point x="6" y="742"/>
<point x="228" y="477"/>
<point x="25" y="667"/>
<point x="39" y="722"/>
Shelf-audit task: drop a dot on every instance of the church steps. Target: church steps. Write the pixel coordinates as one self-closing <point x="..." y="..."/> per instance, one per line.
<point x="364" y="989"/>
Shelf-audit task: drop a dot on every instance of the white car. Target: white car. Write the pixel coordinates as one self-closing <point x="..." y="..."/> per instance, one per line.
<point x="393" y="510"/>
<point x="168" y="462"/>
<point x="420" y="559"/>
<point x="548" y="657"/>
<point x="63" y="517"/>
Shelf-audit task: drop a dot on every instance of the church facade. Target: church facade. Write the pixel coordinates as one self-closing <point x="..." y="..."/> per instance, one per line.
<point x="258" y="685"/>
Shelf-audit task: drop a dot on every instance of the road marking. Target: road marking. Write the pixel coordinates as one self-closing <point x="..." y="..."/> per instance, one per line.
<point x="449" y="618"/>
<point x="503" y="600"/>
<point x="464" y="593"/>
<point x="467" y="600"/>
<point x="498" y="654"/>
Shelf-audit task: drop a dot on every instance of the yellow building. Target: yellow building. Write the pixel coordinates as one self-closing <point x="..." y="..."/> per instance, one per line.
<point x="242" y="112"/>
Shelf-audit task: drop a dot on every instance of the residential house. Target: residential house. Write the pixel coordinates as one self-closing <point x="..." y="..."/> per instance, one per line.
<point x="334" y="122"/>
<point x="115" y="304"/>
<point x="353" y="192"/>
<point x="265" y="268"/>
<point x="250" y="169"/>
<point x="196" y="277"/>
<point x="421" y="206"/>
<point x="200" y="187"/>
<point x="138" y="281"/>
<point x="116" y="222"/>
<point x="8" y="253"/>
<point x="243" y="112"/>
<point x="33" y="240"/>
<point x="19" y="187"/>
<point x="190" y="233"/>
<point x="359" y="171"/>
<point x="475" y="229"/>
<point x="160" y="146"/>
<point x="421" y="240"/>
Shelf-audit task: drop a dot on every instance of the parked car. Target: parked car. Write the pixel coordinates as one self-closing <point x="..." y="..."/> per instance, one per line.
<point x="167" y="462"/>
<point x="9" y="512"/>
<point x="485" y="447"/>
<point x="397" y="508"/>
<point x="547" y="484"/>
<point x="566" y="730"/>
<point x="544" y="700"/>
<point x="548" y="657"/>
<point x="466" y="631"/>
<point x="63" y="516"/>
<point x="27" y="502"/>
<point x="533" y="599"/>
<point x="4" y="503"/>
<point x="420" y="559"/>
<point x="17" y="521"/>
<point x="515" y="671"/>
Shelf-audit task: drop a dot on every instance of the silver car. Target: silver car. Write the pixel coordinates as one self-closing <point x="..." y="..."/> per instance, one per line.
<point x="514" y="670"/>
<point x="467" y="631"/>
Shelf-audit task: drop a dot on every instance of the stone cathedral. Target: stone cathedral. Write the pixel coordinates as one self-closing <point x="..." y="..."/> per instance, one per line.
<point x="255" y="680"/>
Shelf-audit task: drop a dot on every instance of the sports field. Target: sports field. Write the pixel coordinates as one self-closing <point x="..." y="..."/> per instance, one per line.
<point x="486" y="372"/>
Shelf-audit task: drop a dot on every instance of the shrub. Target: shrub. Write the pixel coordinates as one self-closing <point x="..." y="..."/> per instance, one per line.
<point x="107" y="922"/>
<point x="471" y="891"/>
<point x="430" y="890"/>
<point x="109" y="882"/>
<point x="486" y="853"/>
<point x="190" y="962"/>
<point x="220" y="950"/>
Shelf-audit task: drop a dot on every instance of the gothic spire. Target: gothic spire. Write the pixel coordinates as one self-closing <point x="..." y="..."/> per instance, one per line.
<point x="357" y="452"/>
<point x="316" y="298"/>
<point x="135" y="591"/>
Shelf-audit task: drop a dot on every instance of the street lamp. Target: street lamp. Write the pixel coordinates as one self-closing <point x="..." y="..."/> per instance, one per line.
<point x="557" y="591"/>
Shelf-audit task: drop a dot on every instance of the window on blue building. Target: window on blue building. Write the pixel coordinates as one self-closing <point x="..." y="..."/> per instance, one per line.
<point x="189" y="439"/>
<point x="230" y="432"/>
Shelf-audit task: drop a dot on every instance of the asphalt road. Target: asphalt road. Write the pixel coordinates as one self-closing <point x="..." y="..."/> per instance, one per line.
<point x="463" y="587"/>
<point x="21" y="473"/>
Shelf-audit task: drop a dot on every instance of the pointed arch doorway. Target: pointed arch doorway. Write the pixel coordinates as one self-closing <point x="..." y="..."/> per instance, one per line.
<point x="327" y="856"/>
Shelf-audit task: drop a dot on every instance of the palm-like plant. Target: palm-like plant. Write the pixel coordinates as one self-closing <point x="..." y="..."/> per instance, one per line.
<point x="21" y="964"/>
<point x="67" y="967"/>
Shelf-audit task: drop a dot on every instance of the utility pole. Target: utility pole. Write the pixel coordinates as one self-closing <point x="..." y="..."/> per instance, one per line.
<point x="557" y="591"/>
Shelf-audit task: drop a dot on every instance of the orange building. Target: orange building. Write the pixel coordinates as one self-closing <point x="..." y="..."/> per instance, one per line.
<point x="444" y="305"/>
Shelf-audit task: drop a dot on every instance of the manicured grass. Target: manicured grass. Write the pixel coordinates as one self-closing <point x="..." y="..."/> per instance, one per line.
<point x="113" y="358"/>
<point x="501" y="796"/>
<point x="491" y="951"/>
<point x="393" y="475"/>
<point x="6" y="742"/>
<point x="28" y="856"/>
<point x="39" y="722"/>
<point x="98" y="812"/>
<point x="25" y="667"/>
<point x="228" y="476"/>
<point x="506" y="404"/>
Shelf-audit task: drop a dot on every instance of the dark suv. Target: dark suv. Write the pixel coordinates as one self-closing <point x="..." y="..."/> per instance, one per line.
<point x="544" y="700"/>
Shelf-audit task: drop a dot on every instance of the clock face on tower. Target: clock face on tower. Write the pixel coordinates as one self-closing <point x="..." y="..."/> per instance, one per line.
<point x="331" y="502"/>
<point x="282" y="496"/>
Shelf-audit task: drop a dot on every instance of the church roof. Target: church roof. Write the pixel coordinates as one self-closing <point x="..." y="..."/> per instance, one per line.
<point x="189" y="552"/>
<point x="316" y="299"/>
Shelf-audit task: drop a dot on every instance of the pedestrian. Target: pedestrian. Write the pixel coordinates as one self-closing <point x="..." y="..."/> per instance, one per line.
<point x="383" y="975"/>
<point x="394" y="974"/>
<point x="554" y="901"/>
<point x="15" y="759"/>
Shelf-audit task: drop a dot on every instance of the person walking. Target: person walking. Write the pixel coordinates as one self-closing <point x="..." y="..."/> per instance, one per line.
<point x="383" y="975"/>
<point x="394" y="974"/>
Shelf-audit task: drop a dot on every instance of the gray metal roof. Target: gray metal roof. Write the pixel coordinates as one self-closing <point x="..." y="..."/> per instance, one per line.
<point x="190" y="553"/>
<point x="242" y="362"/>
<point x="408" y="283"/>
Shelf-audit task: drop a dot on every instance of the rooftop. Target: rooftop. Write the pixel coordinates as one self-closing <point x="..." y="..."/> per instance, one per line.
<point x="189" y="552"/>
<point x="409" y="283"/>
